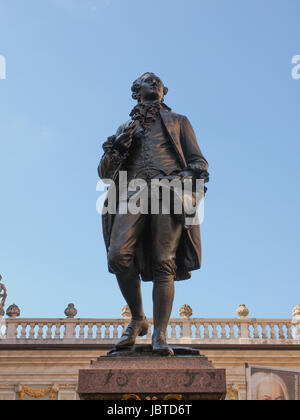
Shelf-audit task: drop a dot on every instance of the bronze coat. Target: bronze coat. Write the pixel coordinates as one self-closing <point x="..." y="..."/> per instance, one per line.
<point x="183" y="139"/>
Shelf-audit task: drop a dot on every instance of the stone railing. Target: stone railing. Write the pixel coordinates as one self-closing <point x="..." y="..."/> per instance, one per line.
<point x="180" y="331"/>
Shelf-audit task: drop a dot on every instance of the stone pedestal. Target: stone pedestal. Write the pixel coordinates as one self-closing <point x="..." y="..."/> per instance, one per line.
<point x="142" y="376"/>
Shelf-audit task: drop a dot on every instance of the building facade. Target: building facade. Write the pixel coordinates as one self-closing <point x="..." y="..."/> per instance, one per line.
<point x="40" y="358"/>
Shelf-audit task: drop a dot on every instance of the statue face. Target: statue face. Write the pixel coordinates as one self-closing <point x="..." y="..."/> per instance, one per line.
<point x="151" y="88"/>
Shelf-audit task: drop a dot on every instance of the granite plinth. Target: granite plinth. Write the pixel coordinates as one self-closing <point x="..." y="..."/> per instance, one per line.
<point x="147" y="377"/>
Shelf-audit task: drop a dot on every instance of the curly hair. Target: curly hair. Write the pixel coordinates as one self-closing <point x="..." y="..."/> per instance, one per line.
<point x="135" y="88"/>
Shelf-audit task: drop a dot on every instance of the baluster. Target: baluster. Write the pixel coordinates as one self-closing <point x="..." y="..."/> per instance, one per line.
<point x="206" y="331"/>
<point x="252" y="330"/>
<point x="99" y="330"/>
<point x="273" y="332"/>
<point x="81" y="330"/>
<point x="115" y="330"/>
<point x="40" y="331"/>
<point x="223" y="330"/>
<point x="49" y="331"/>
<point x="90" y="331"/>
<point x="23" y="331"/>
<point x="264" y="332"/>
<point x="214" y="331"/>
<point x="107" y="330"/>
<point x="281" y="335"/>
<point x="31" y="330"/>
<point x="197" y="330"/>
<point x="173" y="330"/>
<point x="255" y="330"/>
<point x="57" y="331"/>
<point x="231" y="330"/>
<point x="289" y="331"/>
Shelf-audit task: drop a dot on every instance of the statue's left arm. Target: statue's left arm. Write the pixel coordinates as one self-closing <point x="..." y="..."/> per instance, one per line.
<point x="195" y="160"/>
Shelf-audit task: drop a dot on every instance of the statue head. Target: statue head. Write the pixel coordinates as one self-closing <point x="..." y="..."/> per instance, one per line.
<point x="148" y="87"/>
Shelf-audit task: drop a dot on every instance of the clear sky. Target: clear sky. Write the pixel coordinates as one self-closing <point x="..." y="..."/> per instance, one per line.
<point x="70" y="65"/>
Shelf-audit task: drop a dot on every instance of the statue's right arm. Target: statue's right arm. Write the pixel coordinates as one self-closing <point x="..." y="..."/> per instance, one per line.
<point x="112" y="157"/>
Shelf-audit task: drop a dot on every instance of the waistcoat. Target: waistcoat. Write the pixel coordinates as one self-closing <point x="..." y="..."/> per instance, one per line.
<point x="151" y="153"/>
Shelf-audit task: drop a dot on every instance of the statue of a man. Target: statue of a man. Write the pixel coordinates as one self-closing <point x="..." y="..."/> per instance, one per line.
<point x="154" y="143"/>
<point x="3" y="296"/>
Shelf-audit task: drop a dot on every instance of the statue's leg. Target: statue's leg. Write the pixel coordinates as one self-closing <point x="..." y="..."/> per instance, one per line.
<point x="163" y="296"/>
<point x="166" y="234"/>
<point x="127" y="228"/>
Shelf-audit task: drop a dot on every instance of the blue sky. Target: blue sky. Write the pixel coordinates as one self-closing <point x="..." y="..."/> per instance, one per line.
<point x="70" y="65"/>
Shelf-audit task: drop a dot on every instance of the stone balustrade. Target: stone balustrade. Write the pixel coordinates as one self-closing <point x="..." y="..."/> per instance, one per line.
<point x="180" y="331"/>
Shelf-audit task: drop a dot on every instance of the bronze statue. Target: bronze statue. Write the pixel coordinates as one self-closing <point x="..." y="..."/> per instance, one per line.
<point x="154" y="143"/>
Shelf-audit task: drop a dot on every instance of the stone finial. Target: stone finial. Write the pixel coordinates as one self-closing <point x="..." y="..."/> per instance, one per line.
<point x="296" y="311"/>
<point x="185" y="311"/>
<point x="71" y="311"/>
<point x="3" y="296"/>
<point x="126" y="312"/>
<point x="13" y="311"/>
<point x="242" y="311"/>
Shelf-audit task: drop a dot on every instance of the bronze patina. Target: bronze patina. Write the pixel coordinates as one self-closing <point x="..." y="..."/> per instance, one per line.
<point x="154" y="143"/>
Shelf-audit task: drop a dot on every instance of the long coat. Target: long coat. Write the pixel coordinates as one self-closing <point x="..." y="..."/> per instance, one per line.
<point x="183" y="139"/>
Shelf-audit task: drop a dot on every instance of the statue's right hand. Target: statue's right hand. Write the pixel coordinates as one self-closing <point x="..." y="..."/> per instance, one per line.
<point x="123" y="141"/>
